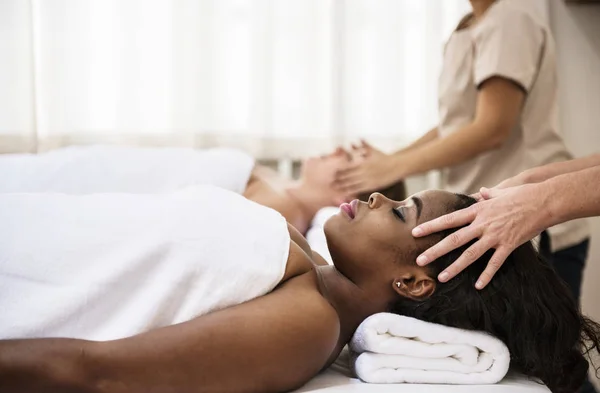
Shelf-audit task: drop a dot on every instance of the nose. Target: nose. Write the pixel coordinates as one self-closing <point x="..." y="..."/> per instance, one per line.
<point x="375" y="200"/>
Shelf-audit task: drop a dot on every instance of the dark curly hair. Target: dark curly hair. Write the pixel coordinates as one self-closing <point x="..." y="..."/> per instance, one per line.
<point x="526" y="305"/>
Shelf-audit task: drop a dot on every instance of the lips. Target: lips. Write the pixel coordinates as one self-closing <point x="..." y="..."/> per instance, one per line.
<point x="349" y="208"/>
<point x="346" y="208"/>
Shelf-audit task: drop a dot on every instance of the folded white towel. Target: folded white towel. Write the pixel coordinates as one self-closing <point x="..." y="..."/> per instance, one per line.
<point x="390" y="348"/>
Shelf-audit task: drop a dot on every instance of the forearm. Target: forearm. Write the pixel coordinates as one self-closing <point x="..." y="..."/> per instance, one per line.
<point x="539" y="174"/>
<point x="574" y="195"/>
<point x="430" y="136"/>
<point x="45" y="366"/>
<point x="458" y="147"/>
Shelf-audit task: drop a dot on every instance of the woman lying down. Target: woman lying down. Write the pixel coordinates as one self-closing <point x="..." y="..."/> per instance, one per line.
<point x="145" y="170"/>
<point x="203" y="290"/>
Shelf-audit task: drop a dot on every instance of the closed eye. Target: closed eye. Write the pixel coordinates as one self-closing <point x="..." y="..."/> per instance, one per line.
<point x="398" y="213"/>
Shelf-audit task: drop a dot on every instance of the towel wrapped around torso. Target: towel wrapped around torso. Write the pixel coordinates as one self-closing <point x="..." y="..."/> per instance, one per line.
<point x="93" y="169"/>
<point x="108" y="266"/>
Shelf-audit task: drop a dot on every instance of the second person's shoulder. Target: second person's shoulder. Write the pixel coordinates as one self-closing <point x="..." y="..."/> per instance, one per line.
<point x="510" y="15"/>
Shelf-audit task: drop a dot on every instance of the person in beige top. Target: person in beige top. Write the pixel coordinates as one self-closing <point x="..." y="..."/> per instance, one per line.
<point x="498" y="118"/>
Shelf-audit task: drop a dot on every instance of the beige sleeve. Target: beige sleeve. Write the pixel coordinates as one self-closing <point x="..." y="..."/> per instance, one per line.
<point x="508" y="46"/>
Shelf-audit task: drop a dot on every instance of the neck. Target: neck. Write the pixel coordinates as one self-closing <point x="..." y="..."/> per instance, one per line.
<point x="352" y="304"/>
<point x="480" y="7"/>
<point x="308" y="199"/>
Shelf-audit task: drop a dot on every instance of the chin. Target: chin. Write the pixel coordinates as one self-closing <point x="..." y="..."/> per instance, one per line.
<point x="336" y="241"/>
<point x="332" y="226"/>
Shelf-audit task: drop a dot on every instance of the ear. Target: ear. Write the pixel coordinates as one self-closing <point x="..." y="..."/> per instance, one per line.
<point x="416" y="285"/>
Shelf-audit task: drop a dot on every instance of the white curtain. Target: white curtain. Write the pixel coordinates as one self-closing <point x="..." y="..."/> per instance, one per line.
<point x="278" y="78"/>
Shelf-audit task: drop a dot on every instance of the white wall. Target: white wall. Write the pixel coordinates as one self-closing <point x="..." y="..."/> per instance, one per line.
<point x="576" y="30"/>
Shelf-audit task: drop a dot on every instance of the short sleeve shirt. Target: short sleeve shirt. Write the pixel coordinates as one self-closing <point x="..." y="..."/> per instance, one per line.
<point x="511" y="43"/>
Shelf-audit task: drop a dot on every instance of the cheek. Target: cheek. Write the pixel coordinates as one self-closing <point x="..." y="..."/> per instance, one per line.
<point x="391" y="239"/>
<point x="307" y="166"/>
<point x="343" y="239"/>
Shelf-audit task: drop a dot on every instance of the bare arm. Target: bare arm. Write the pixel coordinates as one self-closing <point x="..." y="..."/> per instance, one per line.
<point x="510" y="217"/>
<point x="271" y="344"/>
<point x="430" y="136"/>
<point x="499" y="104"/>
<point x="539" y="174"/>
<point x="574" y="195"/>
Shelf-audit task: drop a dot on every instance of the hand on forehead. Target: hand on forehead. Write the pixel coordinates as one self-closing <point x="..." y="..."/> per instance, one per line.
<point x="436" y="203"/>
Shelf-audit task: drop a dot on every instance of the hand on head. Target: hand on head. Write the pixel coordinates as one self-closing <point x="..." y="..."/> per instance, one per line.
<point x="365" y="150"/>
<point x="503" y="220"/>
<point x="370" y="169"/>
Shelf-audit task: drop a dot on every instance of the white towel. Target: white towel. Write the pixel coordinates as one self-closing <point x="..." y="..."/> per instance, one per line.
<point x="390" y="348"/>
<point x="107" y="266"/>
<point x="95" y="169"/>
<point x="315" y="236"/>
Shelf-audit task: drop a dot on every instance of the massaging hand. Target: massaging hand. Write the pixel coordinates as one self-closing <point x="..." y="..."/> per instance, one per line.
<point x="363" y="149"/>
<point x="503" y="220"/>
<point x="370" y="170"/>
<point x="519" y="180"/>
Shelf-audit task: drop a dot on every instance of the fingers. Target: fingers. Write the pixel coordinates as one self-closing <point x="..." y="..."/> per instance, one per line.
<point x="347" y="172"/>
<point x="489" y="193"/>
<point x="365" y="144"/>
<point x="449" y="243"/>
<point x="349" y="183"/>
<point x="493" y="266"/>
<point x="470" y="255"/>
<point x="477" y="196"/>
<point x="452" y="220"/>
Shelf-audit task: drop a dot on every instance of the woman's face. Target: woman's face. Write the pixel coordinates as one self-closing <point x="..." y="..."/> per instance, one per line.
<point x="368" y="239"/>
<point x="320" y="171"/>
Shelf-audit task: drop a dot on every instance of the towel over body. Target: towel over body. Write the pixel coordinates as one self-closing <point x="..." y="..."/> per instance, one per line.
<point x="94" y="169"/>
<point x="108" y="266"/>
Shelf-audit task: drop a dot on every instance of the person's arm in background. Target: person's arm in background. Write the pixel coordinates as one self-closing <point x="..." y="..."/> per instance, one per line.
<point x="507" y="218"/>
<point x="364" y="149"/>
<point x="506" y="58"/>
<point x="429" y="137"/>
<point x="539" y="174"/>
<point x="499" y="104"/>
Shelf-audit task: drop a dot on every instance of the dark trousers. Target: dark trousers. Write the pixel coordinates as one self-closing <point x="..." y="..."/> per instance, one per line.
<point x="569" y="263"/>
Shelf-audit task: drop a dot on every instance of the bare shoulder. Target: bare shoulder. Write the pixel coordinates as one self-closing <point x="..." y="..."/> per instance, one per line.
<point x="300" y="240"/>
<point x="301" y="258"/>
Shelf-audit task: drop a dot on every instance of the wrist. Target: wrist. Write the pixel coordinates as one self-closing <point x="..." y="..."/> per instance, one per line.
<point x="550" y="203"/>
<point x="398" y="166"/>
<point x="527" y="177"/>
<point x="42" y="365"/>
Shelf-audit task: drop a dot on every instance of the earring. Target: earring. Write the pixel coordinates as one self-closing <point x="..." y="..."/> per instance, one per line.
<point x="398" y="284"/>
